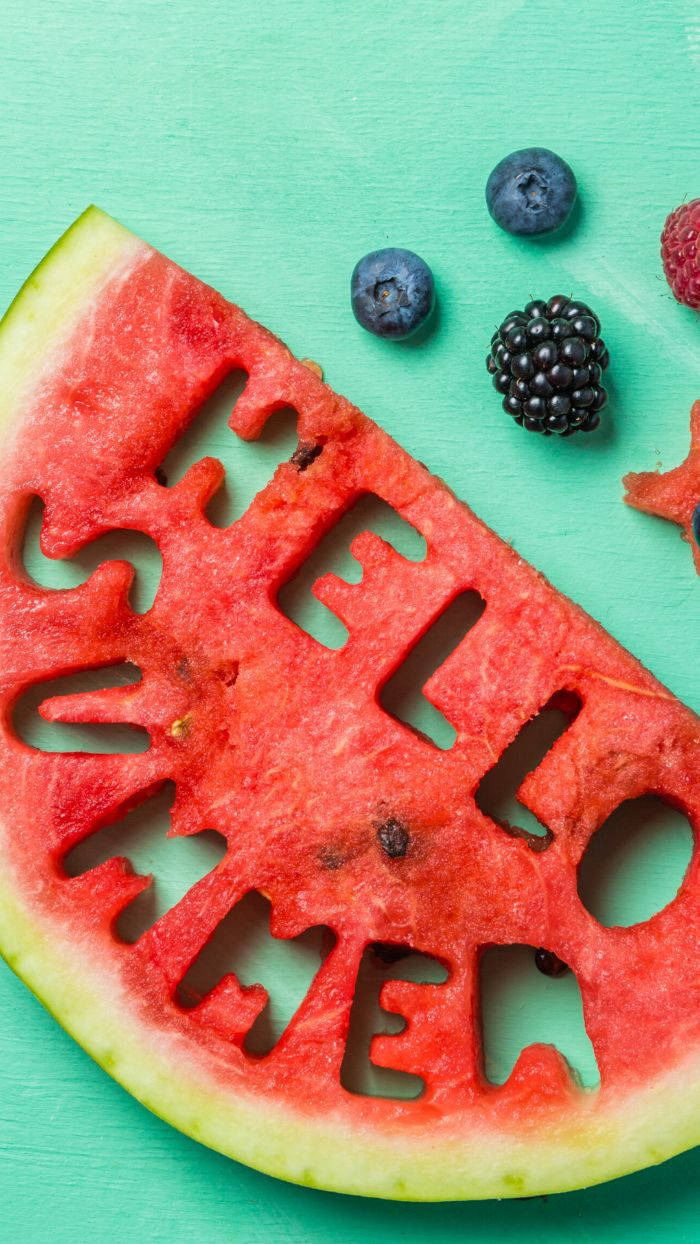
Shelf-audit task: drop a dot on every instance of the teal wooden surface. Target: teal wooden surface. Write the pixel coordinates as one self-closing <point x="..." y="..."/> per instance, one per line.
<point x="266" y="147"/>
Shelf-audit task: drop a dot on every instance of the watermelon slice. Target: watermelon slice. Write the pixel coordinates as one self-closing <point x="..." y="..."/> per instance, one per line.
<point x="340" y="814"/>
<point x="674" y="494"/>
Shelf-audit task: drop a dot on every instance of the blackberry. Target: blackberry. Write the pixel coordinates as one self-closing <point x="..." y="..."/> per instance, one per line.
<point x="547" y="362"/>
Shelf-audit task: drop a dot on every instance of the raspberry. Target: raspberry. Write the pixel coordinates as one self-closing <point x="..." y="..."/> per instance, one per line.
<point x="679" y="252"/>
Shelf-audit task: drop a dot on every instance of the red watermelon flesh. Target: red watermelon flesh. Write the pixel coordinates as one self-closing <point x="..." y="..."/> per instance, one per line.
<point x="673" y="494"/>
<point x="341" y="815"/>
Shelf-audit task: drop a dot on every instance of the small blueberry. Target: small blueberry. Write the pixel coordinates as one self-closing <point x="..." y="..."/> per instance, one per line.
<point x="392" y="292"/>
<point x="531" y="191"/>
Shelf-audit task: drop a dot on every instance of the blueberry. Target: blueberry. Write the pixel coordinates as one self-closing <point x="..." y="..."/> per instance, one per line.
<point x="531" y="191"/>
<point x="392" y="292"/>
<point x="695" y="523"/>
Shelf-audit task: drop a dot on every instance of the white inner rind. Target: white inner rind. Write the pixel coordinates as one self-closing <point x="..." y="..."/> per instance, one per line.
<point x="602" y="1139"/>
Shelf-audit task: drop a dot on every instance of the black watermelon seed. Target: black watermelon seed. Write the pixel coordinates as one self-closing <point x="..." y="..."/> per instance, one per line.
<point x="393" y="837"/>
<point x="304" y="454"/>
<point x="549" y="964"/>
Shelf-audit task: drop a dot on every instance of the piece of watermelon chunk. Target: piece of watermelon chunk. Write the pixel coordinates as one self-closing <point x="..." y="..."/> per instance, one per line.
<point x="340" y="814"/>
<point x="672" y="494"/>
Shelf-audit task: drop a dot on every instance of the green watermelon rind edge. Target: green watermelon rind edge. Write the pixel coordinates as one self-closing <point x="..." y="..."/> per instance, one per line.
<point x="599" y="1142"/>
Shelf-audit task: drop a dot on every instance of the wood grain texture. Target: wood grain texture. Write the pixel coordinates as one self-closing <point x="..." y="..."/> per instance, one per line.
<point x="266" y="147"/>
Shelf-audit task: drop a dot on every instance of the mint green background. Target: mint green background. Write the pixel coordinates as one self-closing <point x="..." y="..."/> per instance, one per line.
<point x="266" y="147"/>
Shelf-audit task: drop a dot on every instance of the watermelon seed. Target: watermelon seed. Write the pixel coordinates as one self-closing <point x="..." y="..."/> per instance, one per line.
<point x="161" y="477"/>
<point x="184" y="670"/>
<point x="548" y="963"/>
<point x="393" y="837"/>
<point x="180" y="728"/>
<point x="304" y="454"/>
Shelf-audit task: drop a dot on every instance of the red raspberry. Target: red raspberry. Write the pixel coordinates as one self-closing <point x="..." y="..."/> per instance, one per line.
<point x="680" y="252"/>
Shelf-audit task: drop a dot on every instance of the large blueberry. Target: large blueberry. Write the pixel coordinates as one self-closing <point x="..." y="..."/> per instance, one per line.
<point x="392" y="292"/>
<point x="531" y="191"/>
